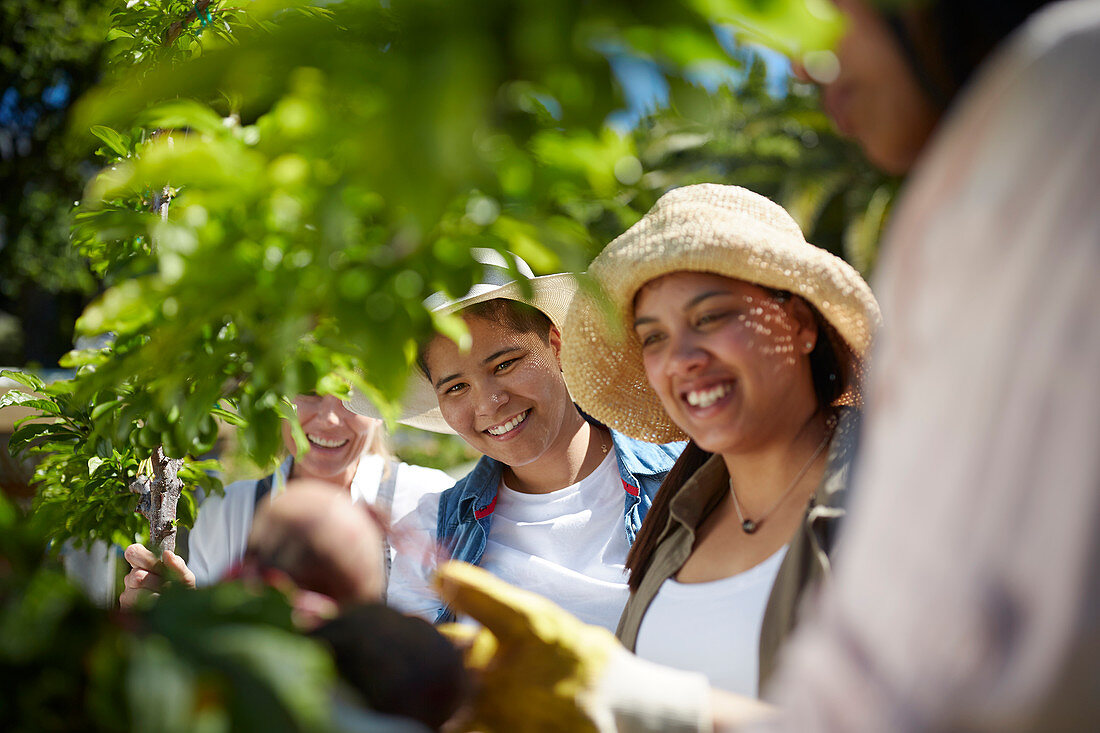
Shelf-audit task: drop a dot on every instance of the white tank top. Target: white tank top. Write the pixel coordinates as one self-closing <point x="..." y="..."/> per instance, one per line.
<point x="712" y="627"/>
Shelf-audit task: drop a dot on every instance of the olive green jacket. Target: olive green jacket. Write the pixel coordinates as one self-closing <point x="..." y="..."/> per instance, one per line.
<point x="806" y="562"/>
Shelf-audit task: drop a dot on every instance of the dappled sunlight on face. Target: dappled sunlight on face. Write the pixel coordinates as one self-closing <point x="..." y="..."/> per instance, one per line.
<point x="727" y="359"/>
<point x="770" y="329"/>
<point x="506" y="396"/>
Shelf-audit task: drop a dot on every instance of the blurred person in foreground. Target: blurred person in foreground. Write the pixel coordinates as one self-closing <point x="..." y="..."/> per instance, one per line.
<point x="730" y="329"/>
<point x="557" y="498"/>
<point x="966" y="586"/>
<point x="326" y="553"/>
<point x="345" y="450"/>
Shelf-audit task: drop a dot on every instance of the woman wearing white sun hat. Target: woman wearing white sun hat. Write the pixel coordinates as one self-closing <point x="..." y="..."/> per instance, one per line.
<point x="728" y="328"/>
<point x="555" y="502"/>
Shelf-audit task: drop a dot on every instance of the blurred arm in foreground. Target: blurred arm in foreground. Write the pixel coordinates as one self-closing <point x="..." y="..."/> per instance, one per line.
<point x="979" y="610"/>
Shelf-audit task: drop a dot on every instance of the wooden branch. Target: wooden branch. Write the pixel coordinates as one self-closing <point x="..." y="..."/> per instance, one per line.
<point x="176" y="28"/>
<point x="159" y="497"/>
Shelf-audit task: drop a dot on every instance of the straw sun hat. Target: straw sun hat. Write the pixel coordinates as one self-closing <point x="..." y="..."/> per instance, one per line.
<point x="724" y="230"/>
<point x="550" y="294"/>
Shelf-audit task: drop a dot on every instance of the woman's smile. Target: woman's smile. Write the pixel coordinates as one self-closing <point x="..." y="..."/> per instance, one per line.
<point x="510" y="427"/>
<point x="318" y="441"/>
<point x="706" y="396"/>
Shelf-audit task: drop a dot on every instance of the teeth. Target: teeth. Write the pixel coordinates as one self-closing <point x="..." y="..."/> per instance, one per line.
<point x="707" y="397"/>
<point x="326" y="443"/>
<point x="508" y="426"/>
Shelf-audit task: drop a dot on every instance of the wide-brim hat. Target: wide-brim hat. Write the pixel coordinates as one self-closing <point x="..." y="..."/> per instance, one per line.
<point x="726" y="230"/>
<point x="550" y="294"/>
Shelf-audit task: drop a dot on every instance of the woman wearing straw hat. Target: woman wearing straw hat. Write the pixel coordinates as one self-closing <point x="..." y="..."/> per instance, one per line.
<point x="735" y="332"/>
<point x="556" y="500"/>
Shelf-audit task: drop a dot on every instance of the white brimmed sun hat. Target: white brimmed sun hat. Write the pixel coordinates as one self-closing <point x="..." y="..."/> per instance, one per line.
<point x="550" y="294"/>
<point x="726" y="230"/>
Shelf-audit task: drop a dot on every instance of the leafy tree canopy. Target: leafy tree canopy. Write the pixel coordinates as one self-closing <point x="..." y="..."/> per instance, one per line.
<point x="285" y="182"/>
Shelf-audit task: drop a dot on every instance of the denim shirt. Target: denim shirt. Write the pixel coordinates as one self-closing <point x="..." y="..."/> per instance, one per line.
<point x="466" y="509"/>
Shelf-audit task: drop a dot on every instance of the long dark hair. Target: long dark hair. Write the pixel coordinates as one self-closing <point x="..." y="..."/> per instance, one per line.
<point x="945" y="41"/>
<point x="649" y="535"/>
<point x="836" y="372"/>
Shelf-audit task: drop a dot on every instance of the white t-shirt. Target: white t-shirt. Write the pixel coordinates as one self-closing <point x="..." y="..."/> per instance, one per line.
<point x="221" y="530"/>
<point x="722" y="638"/>
<point x="568" y="545"/>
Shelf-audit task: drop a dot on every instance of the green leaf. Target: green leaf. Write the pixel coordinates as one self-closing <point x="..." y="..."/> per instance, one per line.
<point x="793" y="27"/>
<point x="122" y="309"/>
<point x="161" y="687"/>
<point x="103" y="407"/>
<point x="25" y="378"/>
<point x="115" y="141"/>
<point x="862" y="234"/>
<point x="184" y="113"/>
<point x="287" y="665"/>
<point x="83" y="357"/>
<point x="29" y="400"/>
<point x="230" y="417"/>
<point x="26" y="434"/>
<point x="47" y="407"/>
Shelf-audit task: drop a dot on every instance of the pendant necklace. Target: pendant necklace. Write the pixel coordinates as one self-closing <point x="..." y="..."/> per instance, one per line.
<point x="749" y="526"/>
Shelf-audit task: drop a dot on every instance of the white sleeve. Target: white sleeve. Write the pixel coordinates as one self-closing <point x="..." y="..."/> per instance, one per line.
<point x="412" y="540"/>
<point x="220" y="534"/>
<point x="967" y="581"/>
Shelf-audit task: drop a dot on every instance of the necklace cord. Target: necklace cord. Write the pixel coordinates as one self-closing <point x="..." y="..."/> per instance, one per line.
<point x="748" y="526"/>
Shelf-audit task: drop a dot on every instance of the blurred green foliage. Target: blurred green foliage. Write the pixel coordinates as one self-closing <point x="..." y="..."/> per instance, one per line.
<point x="218" y="659"/>
<point x="280" y="185"/>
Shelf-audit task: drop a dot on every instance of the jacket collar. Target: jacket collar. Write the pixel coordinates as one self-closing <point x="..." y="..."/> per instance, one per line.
<point x="838" y="464"/>
<point x="480" y="491"/>
<point x="638" y="457"/>
<point x="700" y="494"/>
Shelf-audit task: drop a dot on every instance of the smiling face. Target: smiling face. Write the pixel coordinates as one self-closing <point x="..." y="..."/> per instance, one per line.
<point x="506" y="396"/>
<point x="337" y="437"/>
<point x="727" y="359"/>
<point x="876" y="97"/>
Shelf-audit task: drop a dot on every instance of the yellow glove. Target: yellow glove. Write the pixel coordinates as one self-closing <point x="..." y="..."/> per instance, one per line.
<point x="543" y="669"/>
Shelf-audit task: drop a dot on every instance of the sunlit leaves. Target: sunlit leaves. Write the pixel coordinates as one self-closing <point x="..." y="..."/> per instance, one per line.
<point x="123" y="309"/>
<point x="90" y="446"/>
<point x="793" y="27"/>
<point x="114" y="141"/>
